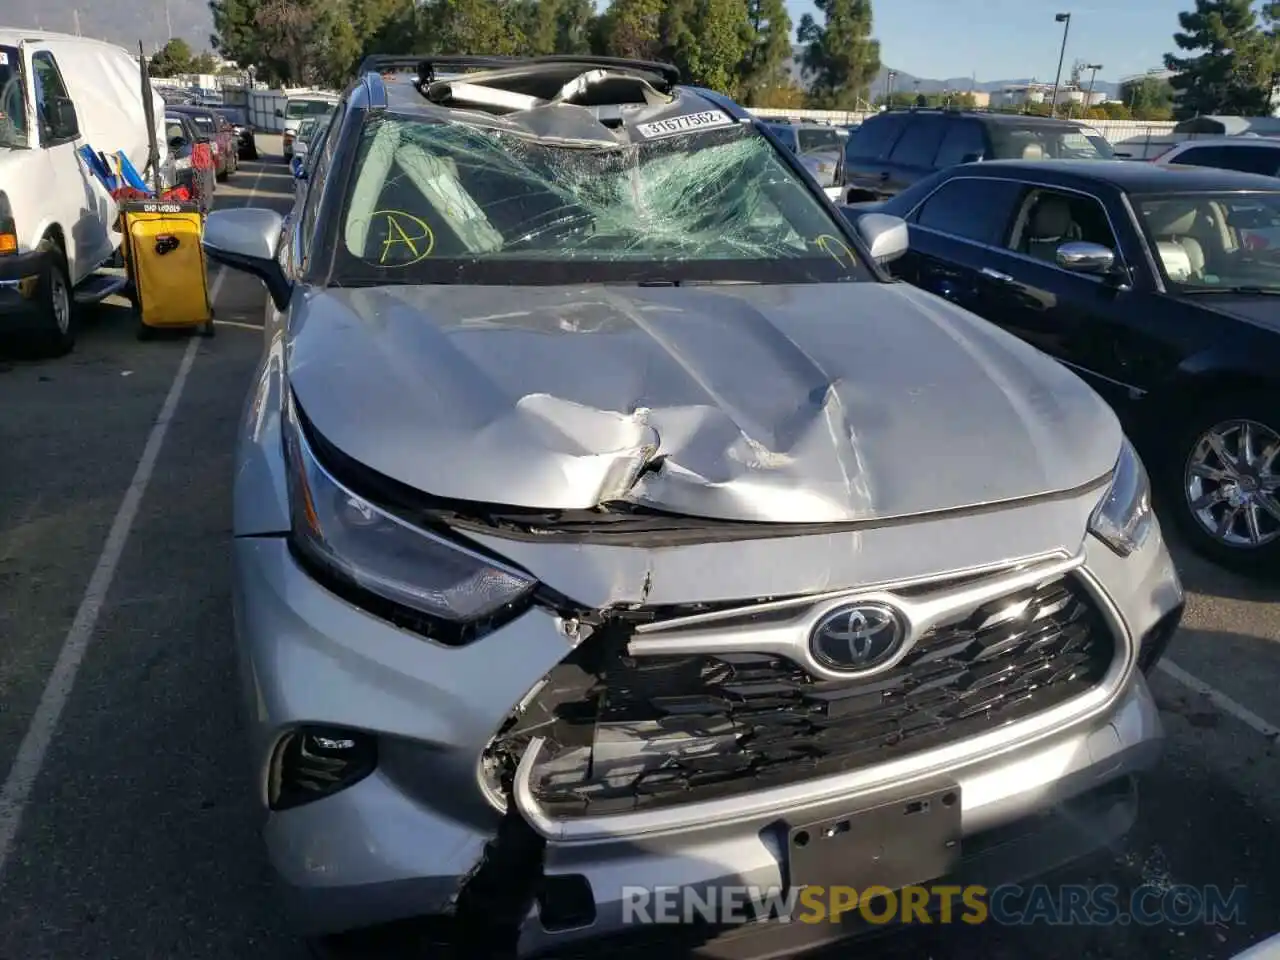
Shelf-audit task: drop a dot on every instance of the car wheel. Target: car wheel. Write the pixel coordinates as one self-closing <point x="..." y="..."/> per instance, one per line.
<point x="56" y="334"/>
<point x="1225" y="482"/>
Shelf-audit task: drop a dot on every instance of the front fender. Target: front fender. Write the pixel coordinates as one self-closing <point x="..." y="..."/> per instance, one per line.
<point x="260" y="493"/>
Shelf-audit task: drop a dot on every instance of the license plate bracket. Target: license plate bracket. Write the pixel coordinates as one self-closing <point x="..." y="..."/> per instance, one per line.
<point x="899" y="844"/>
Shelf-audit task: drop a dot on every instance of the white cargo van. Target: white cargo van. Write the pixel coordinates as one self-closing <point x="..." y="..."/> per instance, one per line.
<point x="58" y="93"/>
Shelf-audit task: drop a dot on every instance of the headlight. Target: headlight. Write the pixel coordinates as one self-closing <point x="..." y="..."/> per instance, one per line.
<point x="369" y="548"/>
<point x="1124" y="518"/>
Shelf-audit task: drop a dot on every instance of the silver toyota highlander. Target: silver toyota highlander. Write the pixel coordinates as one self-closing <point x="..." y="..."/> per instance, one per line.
<point x="605" y="518"/>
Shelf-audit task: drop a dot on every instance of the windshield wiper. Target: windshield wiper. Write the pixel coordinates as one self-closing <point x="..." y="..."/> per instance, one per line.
<point x="1259" y="291"/>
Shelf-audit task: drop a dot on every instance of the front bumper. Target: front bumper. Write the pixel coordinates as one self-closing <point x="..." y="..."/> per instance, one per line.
<point x="20" y="276"/>
<point x="400" y="843"/>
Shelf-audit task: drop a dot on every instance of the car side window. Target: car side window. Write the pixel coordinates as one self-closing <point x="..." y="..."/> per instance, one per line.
<point x="963" y="142"/>
<point x="1245" y="158"/>
<point x="816" y="138"/>
<point x="1049" y="218"/>
<point x="972" y="208"/>
<point x="875" y="138"/>
<point x="323" y="152"/>
<point x="50" y="92"/>
<point x="919" y="144"/>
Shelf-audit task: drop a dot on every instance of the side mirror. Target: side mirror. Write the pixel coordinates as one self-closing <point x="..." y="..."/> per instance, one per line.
<point x="247" y="239"/>
<point x="65" y="124"/>
<point x="1091" y="258"/>
<point x="885" y="236"/>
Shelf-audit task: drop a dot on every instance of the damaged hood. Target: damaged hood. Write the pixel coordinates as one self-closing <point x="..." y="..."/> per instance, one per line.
<point x="804" y="403"/>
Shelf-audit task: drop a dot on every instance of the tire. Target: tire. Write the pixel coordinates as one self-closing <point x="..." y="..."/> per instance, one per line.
<point x="55" y="335"/>
<point x="208" y="330"/>
<point x="1248" y="492"/>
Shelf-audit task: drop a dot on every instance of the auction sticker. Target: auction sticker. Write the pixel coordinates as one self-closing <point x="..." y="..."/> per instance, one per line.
<point x="707" y="120"/>
<point x="4" y="59"/>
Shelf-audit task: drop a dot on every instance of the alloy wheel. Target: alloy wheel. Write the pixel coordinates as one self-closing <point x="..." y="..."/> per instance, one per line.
<point x="1232" y="483"/>
<point x="60" y="302"/>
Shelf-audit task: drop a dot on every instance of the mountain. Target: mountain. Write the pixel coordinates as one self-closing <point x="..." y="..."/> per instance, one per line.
<point x="124" y="22"/>
<point x="906" y="82"/>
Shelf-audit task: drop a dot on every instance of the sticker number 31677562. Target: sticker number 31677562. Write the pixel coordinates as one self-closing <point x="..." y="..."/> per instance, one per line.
<point x="684" y="124"/>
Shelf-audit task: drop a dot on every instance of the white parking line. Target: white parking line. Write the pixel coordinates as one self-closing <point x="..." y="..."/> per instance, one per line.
<point x="16" y="792"/>
<point x="1219" y="699"/>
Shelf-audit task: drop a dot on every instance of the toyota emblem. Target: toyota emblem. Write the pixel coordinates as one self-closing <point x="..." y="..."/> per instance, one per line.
<point x="858" y="637"/>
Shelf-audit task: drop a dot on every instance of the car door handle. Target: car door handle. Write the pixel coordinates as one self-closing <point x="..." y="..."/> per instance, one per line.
<point x="996" y="275"/>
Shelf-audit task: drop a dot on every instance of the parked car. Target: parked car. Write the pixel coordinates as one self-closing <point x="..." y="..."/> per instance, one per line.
<point x="895" y="148"/>
<point x="297" y="108"/>
<point x="59" y="93"/>
<point x="218" y="132"/>
<point x="1141" y="278"/>
<point x="1246" y="154"/>
<point x="193" y="159"/>
<point x="820" y="148"/>
<point x="605" y="515"/>
<point x="242" y="129"/>
<point x="300" y="161"/>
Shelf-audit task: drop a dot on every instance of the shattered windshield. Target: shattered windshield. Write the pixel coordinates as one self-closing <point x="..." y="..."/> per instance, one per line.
<point x="13" y="112"/>
<point x="443" y="202"/>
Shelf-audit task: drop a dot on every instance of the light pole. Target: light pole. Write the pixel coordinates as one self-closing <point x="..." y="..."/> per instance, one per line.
<point x="1065" y="20"/>
<point x="889" y="84"/>
<point x="1093" y="69"/>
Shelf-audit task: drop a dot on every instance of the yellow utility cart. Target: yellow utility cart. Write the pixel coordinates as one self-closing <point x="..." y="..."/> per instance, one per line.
<point x="168" y="283"/>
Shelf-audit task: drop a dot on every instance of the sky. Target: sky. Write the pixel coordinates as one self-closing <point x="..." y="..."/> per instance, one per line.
<point x="1014" y="39"/>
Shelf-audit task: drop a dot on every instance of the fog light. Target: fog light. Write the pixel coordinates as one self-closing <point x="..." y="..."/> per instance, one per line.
<point x="315" y="762"/>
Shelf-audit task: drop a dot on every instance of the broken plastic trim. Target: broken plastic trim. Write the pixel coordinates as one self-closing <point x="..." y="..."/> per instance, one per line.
<point x="495" y="90"/>
<point x="497" y="897"/>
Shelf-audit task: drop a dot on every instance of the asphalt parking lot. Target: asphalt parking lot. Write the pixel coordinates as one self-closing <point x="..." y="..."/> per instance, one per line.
<point x="126" y="829"/>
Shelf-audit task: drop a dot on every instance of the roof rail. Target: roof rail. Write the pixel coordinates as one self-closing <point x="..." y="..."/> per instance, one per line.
<point x="429" y="66"/>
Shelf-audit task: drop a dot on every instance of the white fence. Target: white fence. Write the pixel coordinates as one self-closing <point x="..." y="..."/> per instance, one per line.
<point x="1138" y="138"/>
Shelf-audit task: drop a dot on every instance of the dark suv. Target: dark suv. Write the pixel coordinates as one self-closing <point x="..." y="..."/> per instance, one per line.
<point x="894" y="149"/>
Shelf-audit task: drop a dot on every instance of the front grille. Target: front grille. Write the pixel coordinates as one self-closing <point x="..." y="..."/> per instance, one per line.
<point x="626" y="733"/>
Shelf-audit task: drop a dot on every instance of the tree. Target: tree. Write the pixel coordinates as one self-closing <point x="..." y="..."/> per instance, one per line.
<point x="172" y="59"/>
<point x="632" y="28"/>
<point x="1147" y="98"/>
<point x="204" y="63"/>
<point x="557" y="26"/>
<point x="707" y="40"/>
<point x="785" y="96"/>
<point x="1233" y="71"/>
<point x="310" y="41"/>
<point x="470" y="26"/>
<point x="840" y="55"/>
<point x="235" y="34"/>
<point x="765" y="70"/>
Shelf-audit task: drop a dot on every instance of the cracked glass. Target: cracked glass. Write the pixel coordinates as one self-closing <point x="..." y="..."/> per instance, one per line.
<point x="434" y="201"/>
